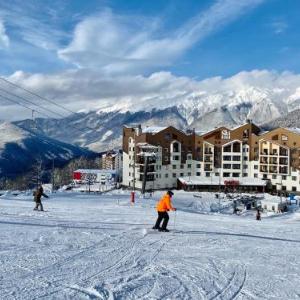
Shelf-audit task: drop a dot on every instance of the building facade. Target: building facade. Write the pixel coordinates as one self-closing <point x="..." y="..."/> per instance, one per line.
<point x="157" y="157"/>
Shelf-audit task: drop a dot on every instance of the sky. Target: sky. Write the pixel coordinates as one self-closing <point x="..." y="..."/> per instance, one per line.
<point x="73" y="50"/>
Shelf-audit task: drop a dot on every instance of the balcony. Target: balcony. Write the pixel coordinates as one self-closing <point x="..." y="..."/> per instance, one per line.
<point x="283" y="161"/>
<point x="264" y="152"/>
<point x="208" y="160"/>
<point x="142" y="160"/>
<point x="273" y="171"/>
<point x="207" y="168"/>
<point x="273" y="161"/>
<point x="150" y="169"/>
<point x="208" y="151"/>
<point x="263" y="160"/>
<point x="283" y="153"/>
<point x="263" y="169"/>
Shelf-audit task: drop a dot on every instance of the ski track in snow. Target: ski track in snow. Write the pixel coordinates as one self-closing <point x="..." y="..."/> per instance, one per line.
<point x="88" y="247"/>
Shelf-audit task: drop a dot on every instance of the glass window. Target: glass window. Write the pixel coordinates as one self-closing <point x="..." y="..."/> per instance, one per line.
<point x="174" y="167"/>
<point x="198" y="174"/>
<point x="189" y="166"/>
<point x="166" y="175"/>
<point x="174" y="175"/>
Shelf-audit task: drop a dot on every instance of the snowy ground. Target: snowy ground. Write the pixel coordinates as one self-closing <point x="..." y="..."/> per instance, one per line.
<point x="99" y="247"/>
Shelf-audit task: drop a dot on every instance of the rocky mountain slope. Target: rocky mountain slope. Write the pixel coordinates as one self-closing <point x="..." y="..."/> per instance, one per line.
<point x="20" y="149"/>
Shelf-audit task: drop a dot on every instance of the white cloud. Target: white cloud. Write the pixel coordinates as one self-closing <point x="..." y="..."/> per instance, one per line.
<point x="87" y="90"/>
<point x="117" y="44"/>
<point x="279" y="27"/>
<point x="4" y="39"/>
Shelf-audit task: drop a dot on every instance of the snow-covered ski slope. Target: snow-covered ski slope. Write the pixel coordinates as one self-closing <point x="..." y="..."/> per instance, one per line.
<point x="101" y="247"/>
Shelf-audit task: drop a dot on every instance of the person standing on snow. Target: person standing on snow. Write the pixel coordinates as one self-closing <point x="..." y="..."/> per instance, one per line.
<point x="258" y="215"/>
<point x="37" y="198"/>
<point x="163" y="206"/>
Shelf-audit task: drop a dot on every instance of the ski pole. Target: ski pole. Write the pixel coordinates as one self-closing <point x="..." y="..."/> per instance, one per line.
<point x="175" y="219"/>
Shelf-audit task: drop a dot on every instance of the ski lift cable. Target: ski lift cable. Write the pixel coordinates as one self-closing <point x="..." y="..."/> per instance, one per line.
<point x="37" y="95"/>
<point x="24" y="105"/>
<point x="31" y="102"/>
<point x="47" y="100"/>
<point x="35" y="110"/>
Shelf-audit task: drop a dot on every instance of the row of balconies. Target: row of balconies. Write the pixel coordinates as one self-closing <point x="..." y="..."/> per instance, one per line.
<point x="282" y="152"/>
<point x="273" y="170"/>
<point x="273" y="161"/>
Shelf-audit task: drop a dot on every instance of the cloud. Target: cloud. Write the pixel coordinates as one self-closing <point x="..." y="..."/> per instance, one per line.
<point x="88" y="90"/>
<point x="35" y="24"/>
<point x="119" y="44"/>
<point x="4" y="39"/>
<point x="279" y="27"/>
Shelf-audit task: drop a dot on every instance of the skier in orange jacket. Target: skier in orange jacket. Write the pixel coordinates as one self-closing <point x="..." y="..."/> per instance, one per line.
<point x="163" y="206"/>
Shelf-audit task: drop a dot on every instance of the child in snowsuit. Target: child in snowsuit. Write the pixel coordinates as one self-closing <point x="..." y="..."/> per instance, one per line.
<point x="163" y="206"/>
<point x="37" y="198"/>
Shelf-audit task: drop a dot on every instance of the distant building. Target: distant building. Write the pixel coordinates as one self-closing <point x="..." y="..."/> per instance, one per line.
<point x="92" y="176"/>
<point x="112" y="160"/>
<point x="244" y="154"/>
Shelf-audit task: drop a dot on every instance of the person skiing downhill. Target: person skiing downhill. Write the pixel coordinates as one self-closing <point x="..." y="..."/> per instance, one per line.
<point x="163" y="206"/>
<point x="37" y="198"/>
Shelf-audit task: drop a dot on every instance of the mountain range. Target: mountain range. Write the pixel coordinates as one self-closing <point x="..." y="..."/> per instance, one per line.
<point x="20" y="149"/>
<point x="102" y="129"/>
<point x="21" y="142"/>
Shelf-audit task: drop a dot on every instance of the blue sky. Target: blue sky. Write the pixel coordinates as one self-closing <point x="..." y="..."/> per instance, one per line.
<point x="264" y="35"/>
<point x="88" y="54"/>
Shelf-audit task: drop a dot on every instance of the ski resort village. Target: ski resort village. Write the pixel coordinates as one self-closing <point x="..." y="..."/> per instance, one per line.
<point x="150" y="150"/>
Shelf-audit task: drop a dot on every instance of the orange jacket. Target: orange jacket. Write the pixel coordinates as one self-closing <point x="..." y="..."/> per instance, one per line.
<point x="164" y="204"/>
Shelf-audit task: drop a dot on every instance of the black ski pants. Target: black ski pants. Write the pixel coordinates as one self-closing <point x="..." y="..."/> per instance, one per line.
<point x="162" y="215"/>
<point x="37" y="204"/>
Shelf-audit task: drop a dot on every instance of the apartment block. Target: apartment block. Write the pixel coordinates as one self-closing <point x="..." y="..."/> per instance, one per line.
<point x="165" y="157"/>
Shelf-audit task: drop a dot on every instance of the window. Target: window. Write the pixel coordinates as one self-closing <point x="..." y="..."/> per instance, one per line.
<point x="255" y="167"/>
<point x="189" y="166"/>
<point x="129" y="174"/>
<point x="236" y="158"/>
<point x="189" y="174"/>
<point x="174" y="167"/>
<point x="294" y="178"/>
<point x="245" y="167"/>
<point x="274" y="176"/>
<point x="226" y="174"/>
<point x="227" y="148"/>
<point x="226" y="157"/>
<point x="255" y="176"/>
<point x="245" y="174"/>
<point x="283" y="177"/>
<point x="198" y="166"/>
<point x="181" y="174"/>
<point x="175" y="157"/>
<point x="226" y="166"/>
<point x="189" y="156"/>
<point x="174" y="175"/>
<point x="284" y="188"/>
<point x="294" y="189"/>
<point x="166" y="175"/>
<point x="235" y="174"/>
<point x="245" y="158"/>
<point x="181" y="166"/>
<point x="273" y="207"/>
<point x="207" y="174"/>
<point x="175" y="147"/>
<point x="198" y="174"/>
<point x="236" y="167"/>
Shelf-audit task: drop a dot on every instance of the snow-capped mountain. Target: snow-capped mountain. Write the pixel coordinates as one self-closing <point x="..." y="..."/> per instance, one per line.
<point x="102" y="129"/>
<point x="20" y="148"/>
<point x="291" y="120"/>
